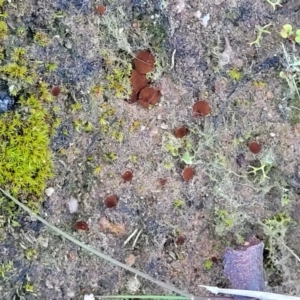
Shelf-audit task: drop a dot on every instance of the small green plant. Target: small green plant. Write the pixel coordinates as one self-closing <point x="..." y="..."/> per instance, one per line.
<point x="5" y="268"/>
<point x="262" y="171"/>
<point x="41" y="38"/>
<point x="187" y="158"/>
<point x="235" y="74"/>
<point x="208" y="264"/>
<point x="30" y="253"/>
<point x="110" y="157"/>
<point x="275" y="3"/>
<point x="117" y="76"/>
<point x="8" y="213"/>
<point x="260" y="31"/>
<point x="278" y="225"/>
<point x="178" y="203"/>
<point x="51" y="67"/>
<point x="171" y="144"/>
<point x="28" y="287"/>
<point x="275" y="229"/>
<point x="287" y="33"/>
<point x="3" y="30"/>
<point x="168" y="165"/>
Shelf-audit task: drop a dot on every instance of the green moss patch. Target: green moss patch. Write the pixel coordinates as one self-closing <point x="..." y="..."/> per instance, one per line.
<point x="25" y="156"/>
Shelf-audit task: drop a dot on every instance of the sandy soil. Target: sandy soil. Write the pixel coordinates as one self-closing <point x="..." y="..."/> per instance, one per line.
<point x="197" y="45"/>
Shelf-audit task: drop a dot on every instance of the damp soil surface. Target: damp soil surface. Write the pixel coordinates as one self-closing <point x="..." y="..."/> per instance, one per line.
<point x="203" y="52"/>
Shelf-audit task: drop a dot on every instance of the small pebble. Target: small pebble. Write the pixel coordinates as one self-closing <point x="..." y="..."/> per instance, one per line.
<point x="89" y="297"/>
<point x="73" y="205"/>
<point x="272" y="134"/>
<point x="205" y="19"/>
<point x="49" y="191"/>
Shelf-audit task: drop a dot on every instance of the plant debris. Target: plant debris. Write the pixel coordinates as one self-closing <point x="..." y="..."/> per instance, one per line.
<point x="244" y="266"/>
<point x="109" y="227"/>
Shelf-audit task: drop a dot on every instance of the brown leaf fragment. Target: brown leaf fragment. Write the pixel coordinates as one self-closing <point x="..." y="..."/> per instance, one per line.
<point x="130" y="260"/>
<point x="244" y="267"/>
<point x="109" y="227"/>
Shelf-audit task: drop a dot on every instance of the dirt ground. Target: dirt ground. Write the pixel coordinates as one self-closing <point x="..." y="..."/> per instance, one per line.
<point x="202" y="52"/>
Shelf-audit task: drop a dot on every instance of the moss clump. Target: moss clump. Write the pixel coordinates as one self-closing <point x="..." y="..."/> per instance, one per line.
<point x="17" y="73"/>
<point x="235" y="74"/>
<point x="118" y="71"/>
<point x="3" y="30"/>
<point x="25" y="157"/>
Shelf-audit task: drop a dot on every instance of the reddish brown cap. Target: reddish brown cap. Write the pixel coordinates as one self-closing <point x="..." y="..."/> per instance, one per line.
<point x="148" y="96"/>
<point x="144" y="62"/>
<point x="201" y="108"/>
<point x="180" y="132"/>
<point x="254" y="147"/>
<point x="81" y="225"/>
<point x="127" y="176"/>
<point x="55" y="91"/>
<point x="138" y="81"/>
<point x="188" y="173"/>
<point x="111" y="201"/>
<point x="100" y="9"/>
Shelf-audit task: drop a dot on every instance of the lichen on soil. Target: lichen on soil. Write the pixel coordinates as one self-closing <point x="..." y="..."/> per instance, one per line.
<point x="83" y="140"/>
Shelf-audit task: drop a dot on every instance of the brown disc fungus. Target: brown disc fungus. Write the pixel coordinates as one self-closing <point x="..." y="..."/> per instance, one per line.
<point x="81" y="225"/>
<point x="111" y="201"/>
<point x="180" y="132"/>
<point x="133" y="97"/>
<point x="127" y="176"/>
<point x="201" y="108"/>
<point x="144" y="62"/>
<point x="162" y="181"/>
<point x="138" y="81"/>
<point x="55" y="91"/>
<point x="180" y="240"/>
<point x="254" y="147"/>
<point x="148" y="96"/>
<point x="214" y="259"/>
<point x="100" y="9"/>
<point x="188" y="173"/>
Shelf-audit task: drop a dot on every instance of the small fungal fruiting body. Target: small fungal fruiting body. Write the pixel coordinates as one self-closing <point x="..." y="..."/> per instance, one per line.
<point x="81" y="225"/>
<point x="201" y="108"/>
<point x="55" y="91"/>
<point x="148" y="96"/>
<point x="188" y="173"/>
<point x="162" y="181"/>
<point x="127" y="176"/>
<point x="138" y="81"/>
<point x="101" y="9"/>
<point x="144" y="62"/>
<point x="180" y="132"/>
<point x="214" y="259"/>
<point x="180" y="240"/>
<point x="111" y="201"/>
<point x="254" y="147"/>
